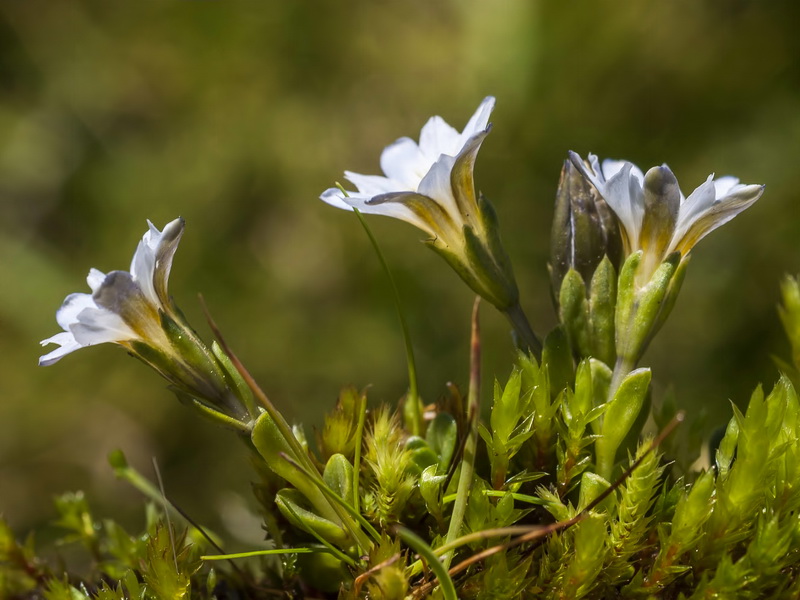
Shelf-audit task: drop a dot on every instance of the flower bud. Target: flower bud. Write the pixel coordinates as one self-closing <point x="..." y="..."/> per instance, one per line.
<point x="584" y="229"/>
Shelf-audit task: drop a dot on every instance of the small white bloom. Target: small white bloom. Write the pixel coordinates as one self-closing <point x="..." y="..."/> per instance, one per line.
<point x="124" y="306"/>
<point x="429" y="184"/>
<point x="655" y="215"/>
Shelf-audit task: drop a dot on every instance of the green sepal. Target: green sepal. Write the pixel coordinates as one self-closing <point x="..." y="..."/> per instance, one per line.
<point x="626" y="294"/>
<point x="652" y="301"/>
<point x="501" y="291"/>
<point x="271" y="445"/>
<point x="461" y="265"/>
<point x="234" y="379"/>
<point x="557" y="359"/>
<point x="619" y="416"/>
<point x="442" y="437"/>
<point x="192" y="352"/>
<point x="637" y="322"/>
<point x="602" y="305"/>
<point x="601" y="381"/>
<point x="290" y="503"/>
<point x="673" y="290"/>
<point x="338" y="475"/>
<point x="573" y="313"/>
<point x="491" y="228"/>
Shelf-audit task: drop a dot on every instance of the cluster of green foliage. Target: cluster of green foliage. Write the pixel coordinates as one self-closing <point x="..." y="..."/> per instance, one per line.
<point x="540" y="521"/>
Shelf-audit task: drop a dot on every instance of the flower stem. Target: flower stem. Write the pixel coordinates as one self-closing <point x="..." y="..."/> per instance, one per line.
<point x="413" y="410"/>
<point x="526" y="338"/>
<point x="471" y="444"/>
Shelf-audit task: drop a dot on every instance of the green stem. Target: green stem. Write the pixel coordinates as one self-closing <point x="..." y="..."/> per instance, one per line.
<point x="413" y="407"/>
<point x="418" y="545"/>
<point x="471" y="444"/>
<point x="526" y="337"/>
<point x="272" y="552"/>
<point x="362" y="416"/>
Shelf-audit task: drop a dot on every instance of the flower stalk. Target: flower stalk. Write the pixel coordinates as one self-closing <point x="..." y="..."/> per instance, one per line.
<point x="467" y="466"/>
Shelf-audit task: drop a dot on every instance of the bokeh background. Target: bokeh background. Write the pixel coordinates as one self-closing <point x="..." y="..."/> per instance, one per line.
<point x="237" y="116"/>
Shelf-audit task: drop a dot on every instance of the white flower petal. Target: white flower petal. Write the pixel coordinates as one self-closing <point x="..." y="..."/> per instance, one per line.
<point x="611" y="167"/>
<point x="724" y="185"/>
<point x="98" y="325"/>
<point x="623" y="193"/>
<point x="67" y="344"/>
<point x="165" y="254"/>
<point x="95" y="279"/>
<point x="387" y="205"/>
<point x="404" y="163"/>
<point x="479" y="121"/>
<point x="698" y="202"/>
<point x="739" y="198"/>
<point x="398" y="205"/>
<point x="335" y="197"/>
<point x="594" y="175"/>
<point x="372" y="185"/>
<point x="143" y="265"/>
<point x="73" y="305"/>
<point x="437" y="138"/>
<point x="437" y="186"/>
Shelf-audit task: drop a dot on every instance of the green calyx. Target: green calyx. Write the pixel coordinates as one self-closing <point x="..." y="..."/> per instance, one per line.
<point x="588" y="315"/>
<point x="642" y="308"/>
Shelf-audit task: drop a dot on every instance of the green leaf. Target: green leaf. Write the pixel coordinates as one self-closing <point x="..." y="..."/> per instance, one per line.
<point x="592" y="485"/>
<point x="619" y="416"/>
<point x="557" y="360"/>
<point x="168" y="566"/>
<point x="442" y="437"/>
<point x="61" y="590"/>
<point x="421" y="454"/>
<point x="338" y="475"/>
<point x="273" y="447"/>
<point x="574" y="313"/>
<point x="292" y="505"/>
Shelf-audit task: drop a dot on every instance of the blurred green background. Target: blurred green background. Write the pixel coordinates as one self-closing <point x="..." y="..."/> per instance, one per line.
<point x="238" y="116"/>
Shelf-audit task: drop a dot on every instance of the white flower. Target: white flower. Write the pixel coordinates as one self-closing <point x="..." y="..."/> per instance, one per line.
<point x="654" y="214"/>
<point x="124" y="307"/>
<point x="429" y="184"/>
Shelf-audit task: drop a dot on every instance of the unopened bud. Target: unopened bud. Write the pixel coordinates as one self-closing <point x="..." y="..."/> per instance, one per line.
<point x="584" y="228"/>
